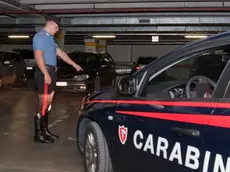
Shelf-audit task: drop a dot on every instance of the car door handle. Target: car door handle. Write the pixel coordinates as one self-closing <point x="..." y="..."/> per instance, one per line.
<point x="10" y="65"/>
<point x="188" y="132"/>
<point x="118" y="118"/>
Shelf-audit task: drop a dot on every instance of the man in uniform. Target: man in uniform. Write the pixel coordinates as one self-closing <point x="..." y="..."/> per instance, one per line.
<point x="46" y="52"/>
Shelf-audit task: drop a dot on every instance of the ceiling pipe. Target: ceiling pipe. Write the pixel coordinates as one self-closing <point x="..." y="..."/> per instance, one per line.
<point x="30" y="2"/>
<point x="23" y="9"/>
<point x="122" y="10"/>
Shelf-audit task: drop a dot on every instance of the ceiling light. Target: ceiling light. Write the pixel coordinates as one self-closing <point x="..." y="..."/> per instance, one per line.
<point x="104" y="36"/>
<point x="196" y="36"/>
<point x="18" y="36"/>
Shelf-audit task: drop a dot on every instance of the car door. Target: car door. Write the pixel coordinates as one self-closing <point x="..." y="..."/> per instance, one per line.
<point x="161" y="132"/>
<point x="8" y="70"/>
<point x="159" y="136"/>
<point x="217" y="138"/>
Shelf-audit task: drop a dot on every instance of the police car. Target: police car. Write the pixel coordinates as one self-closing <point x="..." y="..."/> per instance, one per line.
<point x="169" y="116"/>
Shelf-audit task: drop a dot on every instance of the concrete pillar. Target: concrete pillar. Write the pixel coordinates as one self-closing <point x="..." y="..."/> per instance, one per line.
<point x="91" y="45"/>
<point x="102" y="46"/>
<point x="95" y="45"/>
<point x="60" y="39"/>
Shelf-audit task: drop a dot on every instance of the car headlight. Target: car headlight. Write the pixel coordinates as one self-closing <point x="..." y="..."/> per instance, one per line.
<point x="81" y="77"/>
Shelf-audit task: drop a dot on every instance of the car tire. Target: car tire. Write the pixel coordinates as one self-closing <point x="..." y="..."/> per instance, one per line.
<point x="97" y="85"/>
<point x="96" y="151"/>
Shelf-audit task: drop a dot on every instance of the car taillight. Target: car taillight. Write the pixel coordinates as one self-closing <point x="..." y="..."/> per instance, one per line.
<point x="138" y="67"/>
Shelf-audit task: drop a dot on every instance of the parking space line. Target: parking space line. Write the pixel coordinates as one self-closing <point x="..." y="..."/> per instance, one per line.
<point x="58" y="120"/>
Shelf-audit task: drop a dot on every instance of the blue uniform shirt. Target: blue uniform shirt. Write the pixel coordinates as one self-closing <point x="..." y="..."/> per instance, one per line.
<point x="45" y="42"/>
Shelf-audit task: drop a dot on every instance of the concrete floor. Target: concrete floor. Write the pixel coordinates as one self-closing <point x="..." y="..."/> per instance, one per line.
<point x="18" y="152"/>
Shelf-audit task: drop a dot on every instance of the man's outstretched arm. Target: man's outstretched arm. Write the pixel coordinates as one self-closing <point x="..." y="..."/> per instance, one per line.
<point x="66" y="58"/>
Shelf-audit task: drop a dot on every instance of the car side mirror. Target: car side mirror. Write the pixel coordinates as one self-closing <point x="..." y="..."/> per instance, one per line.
<point x="127" y="85"/>
<point x="6" y="62"/>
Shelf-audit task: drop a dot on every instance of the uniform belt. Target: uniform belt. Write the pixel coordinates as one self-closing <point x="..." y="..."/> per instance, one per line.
<point x="51" y="68"/>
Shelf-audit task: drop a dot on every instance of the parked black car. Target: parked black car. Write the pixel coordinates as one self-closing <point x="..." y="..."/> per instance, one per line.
<point x="98" y="72"/>
<point x="28" y="56"/>
<point x="12" y="69"/>
<point x="141" y="62"/>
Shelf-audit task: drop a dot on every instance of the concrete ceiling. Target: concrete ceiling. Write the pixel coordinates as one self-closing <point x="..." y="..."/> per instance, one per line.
<point x="125" y="18"/>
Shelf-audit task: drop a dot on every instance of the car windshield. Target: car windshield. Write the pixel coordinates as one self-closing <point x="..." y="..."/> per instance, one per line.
<point x="146" y="60"/>
<point x="80" y="59"/>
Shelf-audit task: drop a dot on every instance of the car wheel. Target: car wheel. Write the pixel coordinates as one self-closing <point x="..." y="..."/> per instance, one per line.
<point x="80" y="134"/>
<point x="97" y="83"/>
<point x="96" y="153"/>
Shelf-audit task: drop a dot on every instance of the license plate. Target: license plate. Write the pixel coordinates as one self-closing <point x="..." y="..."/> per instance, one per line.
<point x="29" y="68"/>
<point x="62" y="84"/>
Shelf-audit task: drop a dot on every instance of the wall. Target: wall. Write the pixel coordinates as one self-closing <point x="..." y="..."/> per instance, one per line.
<point x="120" y="53"/>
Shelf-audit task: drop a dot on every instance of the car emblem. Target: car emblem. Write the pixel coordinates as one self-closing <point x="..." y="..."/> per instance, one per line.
<point x="123" y="133"/>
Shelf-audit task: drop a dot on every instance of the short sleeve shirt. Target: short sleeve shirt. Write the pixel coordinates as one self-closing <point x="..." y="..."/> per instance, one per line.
<point x="45" y="42"/>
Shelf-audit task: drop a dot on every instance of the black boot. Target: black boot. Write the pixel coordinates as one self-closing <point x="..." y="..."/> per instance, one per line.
<point x="40" y="135"/>
<point x="47" y="132"/>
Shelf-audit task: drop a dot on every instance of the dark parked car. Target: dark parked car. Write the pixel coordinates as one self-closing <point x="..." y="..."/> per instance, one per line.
<point x="12" y="69"/>
<point x="28" y="56"/>
<point x="98" y="72"/>
<point x="164" y="117"/>
<point x="141" y="62"/>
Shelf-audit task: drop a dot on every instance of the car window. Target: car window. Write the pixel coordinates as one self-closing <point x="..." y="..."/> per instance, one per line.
<point x="209" y="64"/>
<point x="15" y="57"/>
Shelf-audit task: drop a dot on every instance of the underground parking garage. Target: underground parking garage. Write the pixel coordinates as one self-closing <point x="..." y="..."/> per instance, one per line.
<point x="139" y="85"/>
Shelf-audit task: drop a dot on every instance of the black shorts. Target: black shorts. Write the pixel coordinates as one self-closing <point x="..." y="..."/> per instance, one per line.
<point x="40" y="82"/>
